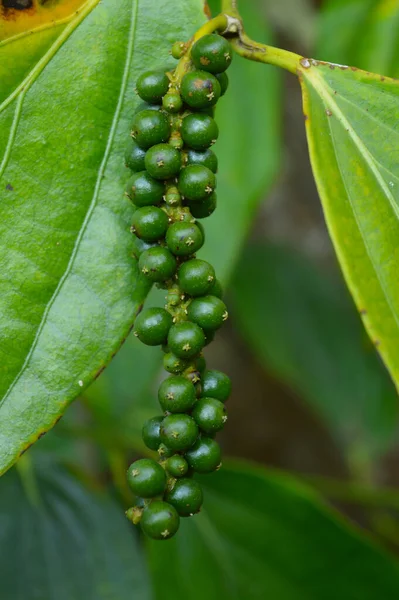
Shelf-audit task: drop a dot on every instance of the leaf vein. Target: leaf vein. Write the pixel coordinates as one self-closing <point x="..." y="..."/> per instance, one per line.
<point x="93" y="204"/>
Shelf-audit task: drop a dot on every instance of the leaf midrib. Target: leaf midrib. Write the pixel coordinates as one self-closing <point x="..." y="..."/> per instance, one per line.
<point x="322" y="89"/>
<point x="93" y="204"/>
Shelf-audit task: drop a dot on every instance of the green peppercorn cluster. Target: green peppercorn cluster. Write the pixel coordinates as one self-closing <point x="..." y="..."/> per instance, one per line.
<point x="173" y="187"/>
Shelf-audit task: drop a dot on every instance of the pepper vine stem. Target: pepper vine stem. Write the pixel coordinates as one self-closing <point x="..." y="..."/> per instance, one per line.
<point x="219" y="23"/>
<point x="255" y="51"/>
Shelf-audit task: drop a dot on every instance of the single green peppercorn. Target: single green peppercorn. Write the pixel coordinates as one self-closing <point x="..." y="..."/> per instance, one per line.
<point x="217" y="290"/>
<point x="162" y="161"/>
<point x="157" y="264"/>
<point x="186" y="496"/>
<point x="196" y="277"/>
<point x="200" y="364"/>
<point x="224" y="82"/>
<point x="150" y="127"/>
<point x="204" y="456"/>
<point x="176" y="465"/>
<point x="176" y="394"/>
<point x="146" y="478"/>
<point x="152" y="85"/>
<point x="150" y="223"/>
<point x="200" y="89"/>
<point x="164" y="451"/>
<point x="199" y="131"/>
<point x="196" y="182"/>
<point x="184" y="238"/>
<point x="178" y="49"/>
<point x="151" y="432"/>
<point x="186" y="339"/>
<point x="134" y="156"/>
<point x="172" y="102"/>
<point x="145" y="106"/>
<point x="212" y="53"/>
<point x="174" y="364"/>
<point x="203" y="209"/>
<point x="206" y="158"/>
<point x="216" y="384"/>
<point x="209" y="312"/>
<point x="143" y="190"/>
<point x="139" y="246"/>
<point x="178" y="432"/>
<point x="160" y="520"/>
<point x="210" y="415"/>
<point x="152" y="326"/>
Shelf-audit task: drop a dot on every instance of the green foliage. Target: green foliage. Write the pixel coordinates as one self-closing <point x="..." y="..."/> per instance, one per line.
<point x="264" y="535"/>
<point x="304" y="329"/>
<point x="368" y="34"/>
<point x="61" y="541"/>
<point x="70" y="289"/>
<point x="357" y="176"/>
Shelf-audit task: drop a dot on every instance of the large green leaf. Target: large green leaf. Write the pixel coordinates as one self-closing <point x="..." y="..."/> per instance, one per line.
<point x="249" y="158"/>
<point x="303" y="327"/>
<point x="262" y="535"/>
<point x="60" y="541"/>
<point x="69" y="287"/>
<point x="352" y="127"/>
<point x="364" y="33"/>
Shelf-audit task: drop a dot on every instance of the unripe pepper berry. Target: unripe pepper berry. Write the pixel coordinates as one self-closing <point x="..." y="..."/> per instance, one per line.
<point x="144" y="190"/>
<point x="196" y="182"/>
<point x="160" y="520"/>
<point x="216" y="384"/>
<point x="178" y="432"/>
<point x="172" y="102"/>
<point x="176" y="465"/>
<point x="150" y="127"/>
<point x="204" y="456"/>
<point x="224" y="82"/>
<point x="150" y="223"/>
<point x="186" y="496"/>
<point x="203" y="209"/>
<point x="176" y="394"/>
<point x="206" y="158"/>
<point x="162" y="161"/>
<point x="196" y="277"/>
<point x="186" y="339"/>
<point x="212" y="53"/>
<point x="146" y="478"/>
<point x="152" y="85"/>
<point x="200" y="89"/>
<point x="184" y="238"/>
<point x="210" y="415"/>
<point x="199" y="131"/>
<point x="151" y="432"/>
<point x="209" y="312"/>
<point x="174" y="364"/>
<point x="139" y="246"/>
<point x="152" y="326"/>
<point x="134" y="156"/>
<point x="157" y="264"/>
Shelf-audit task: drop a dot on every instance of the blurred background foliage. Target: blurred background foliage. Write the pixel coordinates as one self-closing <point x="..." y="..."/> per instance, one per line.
<point x="312" y="404"/>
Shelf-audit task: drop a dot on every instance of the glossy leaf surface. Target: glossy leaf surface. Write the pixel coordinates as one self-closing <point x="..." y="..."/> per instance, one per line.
<point x="69" y="286"/>
<point x="62" y="541"/>
<point x="353" y="134"/>
<point x="263" y="535"/>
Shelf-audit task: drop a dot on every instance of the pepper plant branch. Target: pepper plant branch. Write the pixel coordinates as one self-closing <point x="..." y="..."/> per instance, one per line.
<point x="252" y="50"/>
